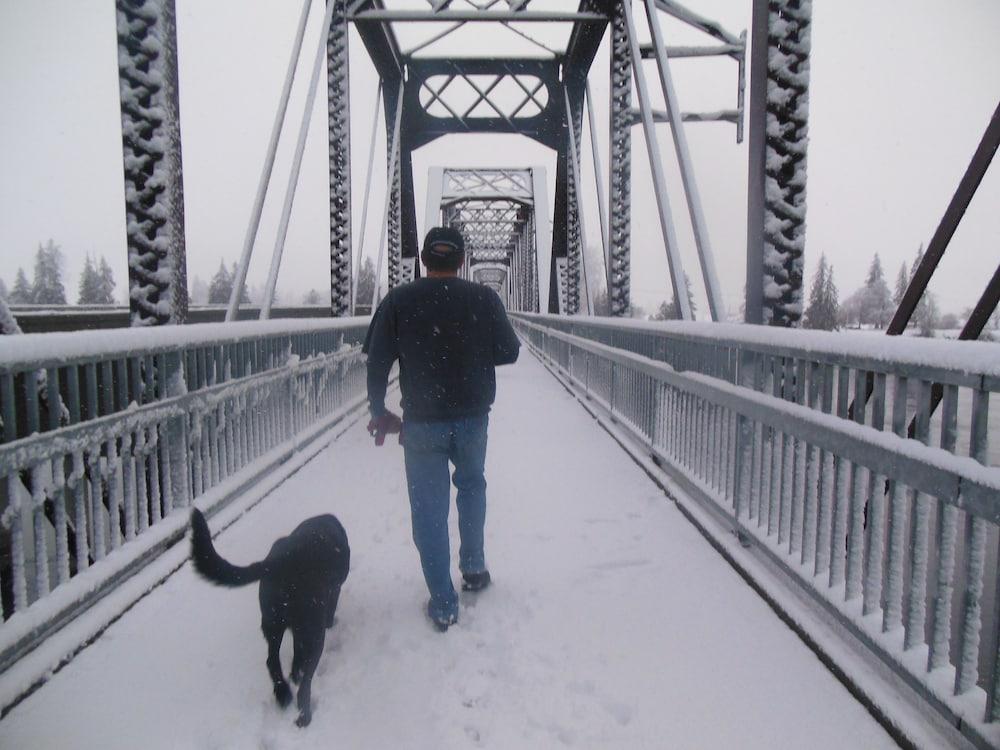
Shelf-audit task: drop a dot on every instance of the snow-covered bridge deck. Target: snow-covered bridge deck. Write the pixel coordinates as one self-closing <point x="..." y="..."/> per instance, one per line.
<point x="612" y="623"/>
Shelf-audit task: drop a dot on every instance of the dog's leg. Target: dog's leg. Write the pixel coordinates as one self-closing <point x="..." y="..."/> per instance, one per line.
<point x="331" y="604"/>
<point x="312" y="638"/>
<point x="274" y="633"/>
<point x="296" y="674"/>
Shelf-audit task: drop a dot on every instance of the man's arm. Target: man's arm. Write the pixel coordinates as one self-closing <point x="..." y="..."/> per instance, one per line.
<point x="505" y="342"/>
<point x="382" y="349"/>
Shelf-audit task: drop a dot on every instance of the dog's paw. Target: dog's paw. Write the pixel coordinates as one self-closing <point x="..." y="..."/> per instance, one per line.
<point x="283" y="694"/>
<point x="304" y="718"/>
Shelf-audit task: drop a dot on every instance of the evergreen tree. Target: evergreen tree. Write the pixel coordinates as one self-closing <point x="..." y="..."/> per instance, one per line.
<point x="366" y="283"/>
<point x="920" y="312"/>
<point x="822" y="311"/>
<point x="312" y="298"/>
<point x="21" y="293"/>
<point x="47" y="287"/>
<point x="669" y="311"/>
<point x="221" y="286"/>
<point x="929" y="318"/>
<point x="3" y="290"/>
<point x="831" y="297"/>
<point x="199" y="291"/>
<point x="244" y="292"/>
<point x="877" y="306"/>
<point x="902" y="281"/>
<point x="106" y="283"/>
<point x="89" y="281"/>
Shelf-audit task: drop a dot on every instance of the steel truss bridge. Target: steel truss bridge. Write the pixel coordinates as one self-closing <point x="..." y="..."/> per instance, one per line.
<point x="850" y="481"/>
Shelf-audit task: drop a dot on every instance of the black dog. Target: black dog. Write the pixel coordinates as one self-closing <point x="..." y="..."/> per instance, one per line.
<point x="300" y="582"/>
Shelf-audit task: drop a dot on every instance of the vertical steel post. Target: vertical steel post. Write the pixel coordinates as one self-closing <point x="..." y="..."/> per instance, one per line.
<point x="392" y="168"/>
<point x="786" y="134"/>
<point x="293" y="177"/>
<point x="620" y="166"/>
<point x="757" y="146"/>
<point x="715" y="302"/>
<point x="265" y="175"/>
<point x="542" y="235"/>
<point x="432" y="208"/>
<point x="576" y="207"/>
<point x="602" y="208"/>
<point x="677" y="280"/>
<point x="151" y="141"/>
<point x="339" y="119"/>
<point x="364" y="209"/>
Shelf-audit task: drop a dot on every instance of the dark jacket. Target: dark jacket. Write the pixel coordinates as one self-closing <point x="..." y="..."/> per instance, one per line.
<point x="448" y="335"/>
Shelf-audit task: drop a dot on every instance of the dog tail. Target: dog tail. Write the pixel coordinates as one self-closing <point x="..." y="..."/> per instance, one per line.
<point x="210" y="564"/>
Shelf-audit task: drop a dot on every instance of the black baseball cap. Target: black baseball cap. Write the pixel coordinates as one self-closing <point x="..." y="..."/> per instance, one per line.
<point x="444" y="242"/>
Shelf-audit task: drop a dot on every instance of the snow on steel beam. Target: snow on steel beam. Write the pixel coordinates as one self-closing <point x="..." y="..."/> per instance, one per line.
<point x="379" y="40"/>
<point x="779" y="137"/>
<point x="619" y="167"/>
<point x="731" y="50"/>
<point x="974" y="174"/>
<point x="151" y="140"/>
<point x="339" y="136"/>
<point x="424" y="16"/>
<point x="659" y="116"/>
<point x="691" y="18"/>
<point x="691" y="193"/>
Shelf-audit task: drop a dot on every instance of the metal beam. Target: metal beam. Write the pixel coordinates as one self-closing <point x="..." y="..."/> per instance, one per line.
<point x="475" y="16"/>
<point x="265" y="175"/>
<point x="691" y="18"/>
<point x="660" y="116"/>
<point x="339" y="139"/>
<point x="151" y="145"/>
<point x="619" y="166"/>
<point x="602" y="207"/>
<point x="757" y="147"/>
<point x="734" y="51"/>
<point x="691" y="193"/>
<point x="974" y="174"/>
<point x="677" y="279"/>
<point x="293" y="177"/>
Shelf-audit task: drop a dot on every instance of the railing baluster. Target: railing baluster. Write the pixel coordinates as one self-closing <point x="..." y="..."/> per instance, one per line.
<point x="858" y="501"/>
<point x="892" y="615"/>
<point x="15" y="492"/>
<point x="875" y="536"/>
<point x="967" y="669"/>
<point x="919" y="531"/>
<point x="812" y="460"/>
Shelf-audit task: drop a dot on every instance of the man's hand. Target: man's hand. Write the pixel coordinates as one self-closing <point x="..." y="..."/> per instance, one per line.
<point x="384" y="424"/>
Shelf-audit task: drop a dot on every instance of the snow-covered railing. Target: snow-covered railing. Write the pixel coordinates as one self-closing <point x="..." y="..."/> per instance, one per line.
<point x="96" y="373"/>
<point x="147" y="421"/>
<point x="894" y="538"/>
<point x="821" y="370"/>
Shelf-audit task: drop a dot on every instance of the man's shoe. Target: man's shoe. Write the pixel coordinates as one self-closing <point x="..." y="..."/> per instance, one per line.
<point x="475" y="581"/>
<point x="441" y="621"/>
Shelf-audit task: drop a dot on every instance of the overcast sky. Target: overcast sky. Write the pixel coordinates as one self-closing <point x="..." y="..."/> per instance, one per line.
<point x="899" y="101"/>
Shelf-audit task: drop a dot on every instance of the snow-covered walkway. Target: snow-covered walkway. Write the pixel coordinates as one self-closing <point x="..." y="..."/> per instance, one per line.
<point x="611" y="624"/>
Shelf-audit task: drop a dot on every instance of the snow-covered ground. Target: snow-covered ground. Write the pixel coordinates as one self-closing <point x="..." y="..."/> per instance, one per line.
<point x="611" y="624"/>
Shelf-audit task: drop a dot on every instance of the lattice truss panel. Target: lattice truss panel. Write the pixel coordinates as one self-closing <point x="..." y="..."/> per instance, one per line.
<point x="505" y="95"/>
<point x="494" y="183"/>
<point x="492" y="227"/>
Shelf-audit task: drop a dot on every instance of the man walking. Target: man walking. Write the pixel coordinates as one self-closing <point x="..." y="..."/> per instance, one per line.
<point x="448" y="335"/>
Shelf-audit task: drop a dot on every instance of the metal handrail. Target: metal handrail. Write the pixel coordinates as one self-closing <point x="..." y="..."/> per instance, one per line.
<point x="175" y="415"/>
<point x="878" y="529"/>
<point x="820" y="369"/>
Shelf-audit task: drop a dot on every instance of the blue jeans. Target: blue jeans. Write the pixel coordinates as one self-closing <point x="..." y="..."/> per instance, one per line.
<point x="427" y="448"/>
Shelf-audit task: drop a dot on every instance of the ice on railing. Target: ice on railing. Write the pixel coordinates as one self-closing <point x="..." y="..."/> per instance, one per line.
<point x="56" y="348"/>
<point x="979" y="357"/>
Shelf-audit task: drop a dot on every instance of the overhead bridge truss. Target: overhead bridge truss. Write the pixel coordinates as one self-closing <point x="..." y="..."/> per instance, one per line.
<point x="533" y="82"/>
<point x="503" y="216"/>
